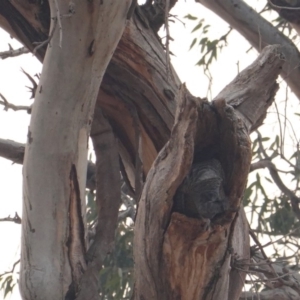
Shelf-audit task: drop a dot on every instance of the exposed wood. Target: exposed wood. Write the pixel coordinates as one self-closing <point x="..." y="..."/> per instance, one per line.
<point x="28" y="29"/>
<point x="168" y="170"/>
<point x="56" y="153"/>
<point x="177" y="257"/>
<point x="136" y="79"/>
<point x="135" y="93"/>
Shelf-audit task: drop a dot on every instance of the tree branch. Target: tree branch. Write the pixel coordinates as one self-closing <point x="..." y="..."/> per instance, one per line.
<point x="295" y="201"/>
<point x="283" y="293"/>
<point x="16" y="219"/>
<point x="8" y="105"/>
<point x="14" y="151"/>
<point x="13" y="52"/>
<point x="155" y="12"/>
<point x="108" y="196"/>
<point x="259" y="34"/>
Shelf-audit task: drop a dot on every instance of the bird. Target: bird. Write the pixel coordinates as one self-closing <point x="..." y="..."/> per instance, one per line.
<point x="201" y="194"/>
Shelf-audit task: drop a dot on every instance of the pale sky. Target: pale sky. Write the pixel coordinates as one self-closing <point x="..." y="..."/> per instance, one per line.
<point x="14" y="125"/>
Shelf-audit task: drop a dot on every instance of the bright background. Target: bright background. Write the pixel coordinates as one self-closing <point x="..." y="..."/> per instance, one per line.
<point x="14" y="125"/>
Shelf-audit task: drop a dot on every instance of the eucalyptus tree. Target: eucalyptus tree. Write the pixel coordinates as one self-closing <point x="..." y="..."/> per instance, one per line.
<point x="184" y="160"/>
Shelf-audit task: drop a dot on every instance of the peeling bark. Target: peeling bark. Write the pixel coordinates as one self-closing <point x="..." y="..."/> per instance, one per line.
<point x="57" y="140"/>
<point x="177" y="257"/>
<point x="140" y="104"/>
<point x="76" y="240"/>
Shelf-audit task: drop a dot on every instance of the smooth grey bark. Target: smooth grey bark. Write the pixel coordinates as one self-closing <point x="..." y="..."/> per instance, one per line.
<point x="53" y="234"/>
<point x="15" y="151"/>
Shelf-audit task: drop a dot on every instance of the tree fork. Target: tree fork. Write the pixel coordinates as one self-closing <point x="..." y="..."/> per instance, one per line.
<point x="182" y="258"/>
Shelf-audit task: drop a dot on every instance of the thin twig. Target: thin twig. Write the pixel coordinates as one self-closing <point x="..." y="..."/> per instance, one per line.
<point x="283" y="7"/>
<point x="168" y="38"/>
<point x="8" y="105"/>
<point x="48" y="40"/>
<point x="255" y="239"/>
<point x="16" y="219"/>
<point x="279" y="239"/>
<point x="12" y="270"/>
<point x="264" y="163"/>
<point x="295" y="201"/>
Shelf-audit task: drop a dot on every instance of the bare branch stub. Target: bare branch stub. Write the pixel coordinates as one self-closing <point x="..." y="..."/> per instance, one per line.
<point x="16" y="219"/>
<point x="34" y="84"/>
<point x="13" y="52"/>
<point x="8" y="105"/>
<point x="12" y="269"/>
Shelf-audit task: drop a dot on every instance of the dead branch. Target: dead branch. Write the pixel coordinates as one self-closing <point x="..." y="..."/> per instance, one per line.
<point x="12" y="270"/>
<point x="295" y="201"/>
<point x="13" y="52"/>
<point x="8" y="105"/>
<point x="34" y="84"/>
<point x="16" y="219"/>
<point x="283" y="293"/>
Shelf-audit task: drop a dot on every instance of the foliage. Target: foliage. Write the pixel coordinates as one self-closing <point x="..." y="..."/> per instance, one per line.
<point x="208" y="47"/>
<point x="116" y="276"/>
<point x="117" y="273"/>
<point x="268" y="204"/>
<point x="8" y="283"/>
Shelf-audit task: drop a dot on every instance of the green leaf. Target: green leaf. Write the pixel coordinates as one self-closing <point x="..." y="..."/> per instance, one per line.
<point x="190" y="17"/>
<point x="193" y="43"/>
<point x="197" y="27"/>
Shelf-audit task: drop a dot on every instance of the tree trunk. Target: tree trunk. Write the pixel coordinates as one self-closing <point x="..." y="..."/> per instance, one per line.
<point x="53" y="234"/>
<point x="139" y="102"/>
<point x="177" y="257"/>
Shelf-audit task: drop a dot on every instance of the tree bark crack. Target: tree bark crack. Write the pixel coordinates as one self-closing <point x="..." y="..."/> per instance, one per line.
<point x="76" y="241"/>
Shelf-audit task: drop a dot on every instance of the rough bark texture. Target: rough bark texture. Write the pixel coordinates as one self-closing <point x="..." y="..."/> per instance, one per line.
<point x="177" y="257"/>
<point x="135" y="91"/>
<point x="155" y="205"/>
<point x="139" y="103"/>
<point x="53" y="241"/>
